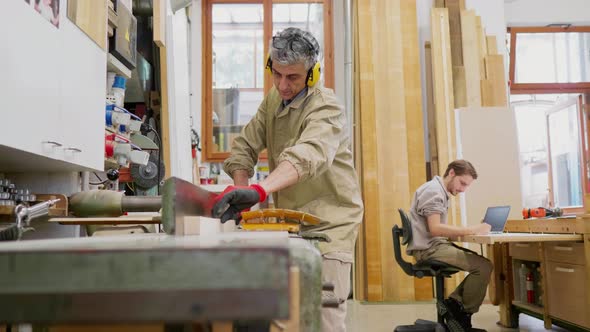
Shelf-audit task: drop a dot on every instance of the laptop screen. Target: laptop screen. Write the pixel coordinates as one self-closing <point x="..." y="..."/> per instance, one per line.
<point x="496" y="216"/>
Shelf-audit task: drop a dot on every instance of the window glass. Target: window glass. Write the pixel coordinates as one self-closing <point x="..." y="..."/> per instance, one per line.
<point x="565" y="155"/>
<point x="552" y="57"/>
<point x="305" y="16"/>
<point x="237" y="69"/>
<point x="531" y="112"/>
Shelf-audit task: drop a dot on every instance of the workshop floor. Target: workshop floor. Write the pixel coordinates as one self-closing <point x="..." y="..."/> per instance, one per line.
<point x="384" y="317"/>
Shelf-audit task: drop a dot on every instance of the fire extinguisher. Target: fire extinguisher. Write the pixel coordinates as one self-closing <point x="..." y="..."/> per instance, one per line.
<point x="530" y="293"/>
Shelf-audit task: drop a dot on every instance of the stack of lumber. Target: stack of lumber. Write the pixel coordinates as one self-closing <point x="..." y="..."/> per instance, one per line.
<point x="389" y="142"/>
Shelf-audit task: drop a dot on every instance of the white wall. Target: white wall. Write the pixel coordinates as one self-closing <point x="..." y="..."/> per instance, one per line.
<point x="178" y="94"/>
<point x="543" y="12"/>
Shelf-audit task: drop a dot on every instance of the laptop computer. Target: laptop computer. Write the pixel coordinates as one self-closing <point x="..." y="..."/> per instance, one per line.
<point x="496" y="216"/>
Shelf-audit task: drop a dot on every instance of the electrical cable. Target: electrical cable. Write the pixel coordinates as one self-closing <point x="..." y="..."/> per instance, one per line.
<point x="99" y="179"/>
<point x="131" y="114"/>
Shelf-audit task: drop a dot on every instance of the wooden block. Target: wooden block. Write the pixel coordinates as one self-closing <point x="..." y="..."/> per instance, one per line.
<point x="492" y="45"/>
<point x="203" y="226"/>
<point x="439" y="3"/>
<point x="471" y="58"/>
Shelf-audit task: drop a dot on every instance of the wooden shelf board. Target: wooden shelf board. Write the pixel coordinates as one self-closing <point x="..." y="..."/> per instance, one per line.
<point x="528" y="306"/>
<point x="114" y="65"/>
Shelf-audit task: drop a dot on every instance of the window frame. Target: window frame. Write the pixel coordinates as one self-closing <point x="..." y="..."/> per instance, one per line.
<point x="583" y="88"/>
<point x="537" y="88"/>
<point x="207" y="154"/>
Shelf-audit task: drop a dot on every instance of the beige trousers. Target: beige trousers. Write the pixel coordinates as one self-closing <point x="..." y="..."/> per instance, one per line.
<point x="472" y="290"/>
<point x="336" y="269"/>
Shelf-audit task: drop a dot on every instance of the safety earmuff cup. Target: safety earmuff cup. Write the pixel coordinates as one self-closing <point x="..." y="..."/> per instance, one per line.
<point x="313" y="74"/>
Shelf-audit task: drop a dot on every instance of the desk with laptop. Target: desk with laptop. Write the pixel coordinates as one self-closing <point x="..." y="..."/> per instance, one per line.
<point x="560" y="247"/>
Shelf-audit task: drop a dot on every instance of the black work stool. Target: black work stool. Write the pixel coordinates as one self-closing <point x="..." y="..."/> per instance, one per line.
<point x="428" y="268"/>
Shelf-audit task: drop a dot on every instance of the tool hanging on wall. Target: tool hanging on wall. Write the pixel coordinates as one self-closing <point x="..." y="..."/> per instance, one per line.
<point x="541" y="212"/>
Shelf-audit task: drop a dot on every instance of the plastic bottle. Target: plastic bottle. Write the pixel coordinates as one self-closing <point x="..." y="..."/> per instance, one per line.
<point x="530" y="292"/>
<point x="522" y="273"/>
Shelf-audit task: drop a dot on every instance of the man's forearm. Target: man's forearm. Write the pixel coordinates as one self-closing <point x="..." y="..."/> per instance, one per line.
<point x="451" y="231"/>
<point x="240" y="177"/>
<point x="285" y="175"/>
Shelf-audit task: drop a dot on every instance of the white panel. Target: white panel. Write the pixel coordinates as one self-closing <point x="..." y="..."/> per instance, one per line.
<point x="195" y="77"/>
<point x="178" y="96"/>
<point x="487" y="138"/>
<point x="52" y="89"/>
<point x="82" y="88"/>
<point x="29" y="89"/>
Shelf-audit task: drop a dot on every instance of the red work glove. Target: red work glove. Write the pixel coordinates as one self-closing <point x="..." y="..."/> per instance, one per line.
<point x="235" y="199"/>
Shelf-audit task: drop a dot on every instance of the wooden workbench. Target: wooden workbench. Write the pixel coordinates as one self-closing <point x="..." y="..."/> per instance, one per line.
<point x="560" y="248"/>
<point x="150" y="278"/>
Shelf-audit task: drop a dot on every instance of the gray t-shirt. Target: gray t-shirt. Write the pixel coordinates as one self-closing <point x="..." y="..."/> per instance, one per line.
<point x="431" y="198"/>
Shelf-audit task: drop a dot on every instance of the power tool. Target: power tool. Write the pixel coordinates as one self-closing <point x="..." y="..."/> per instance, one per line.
<point x="541" y="212"/>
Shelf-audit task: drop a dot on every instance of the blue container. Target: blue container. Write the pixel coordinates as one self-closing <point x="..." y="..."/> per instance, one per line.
<point x="119" y="82"/>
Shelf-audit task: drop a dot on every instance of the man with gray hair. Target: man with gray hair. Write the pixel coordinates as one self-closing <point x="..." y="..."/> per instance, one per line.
<point x="303" y="128"/>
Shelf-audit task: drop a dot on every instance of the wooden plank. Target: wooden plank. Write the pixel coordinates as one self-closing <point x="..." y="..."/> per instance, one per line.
<point x="91" y="16"/>
<point x="455" y="7"/>
<point x="481" y="42"/>
<point x="495" y="83"/>
<point x="108" y="328"/>
<point x="519" y="237"/>
<point x="444" y="107"/>
<point x="414" y="122"/>
<point x="459" y="86"/>
<point x="488" y="93"/>
<point x="360" y="263"/>
<point x="439" y="3"/>
<point x="222" y="327"/>
<point x="291" y="324"/>
<point x="164" y="112"/>
<point x="471" y="57"/>
<point x="550" y="225"/>
<point x="443" y="83"/>
<point x="491" y="44"/>
<point x="391" y="128"/>
<point x="430" y="111"/>
<point x="159" y="22"/>
<point x="125" y="220"/>
<point x="366" y="14"/>
<point x="496" y="286"/>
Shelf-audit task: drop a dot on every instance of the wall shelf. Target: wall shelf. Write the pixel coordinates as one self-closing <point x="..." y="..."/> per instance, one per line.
<point x="114" y="65"/>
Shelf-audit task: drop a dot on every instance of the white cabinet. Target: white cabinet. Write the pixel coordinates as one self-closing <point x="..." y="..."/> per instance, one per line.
<point x="52" y="93"/>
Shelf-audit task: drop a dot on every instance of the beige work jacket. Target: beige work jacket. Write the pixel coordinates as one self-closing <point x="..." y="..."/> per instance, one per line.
<point x="310" y="133"/>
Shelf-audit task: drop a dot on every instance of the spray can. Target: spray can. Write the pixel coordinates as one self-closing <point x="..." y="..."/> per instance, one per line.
<point x="530" y="293"/>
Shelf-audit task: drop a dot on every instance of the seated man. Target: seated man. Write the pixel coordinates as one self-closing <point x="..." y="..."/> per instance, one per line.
<point x="428" y="215"/>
